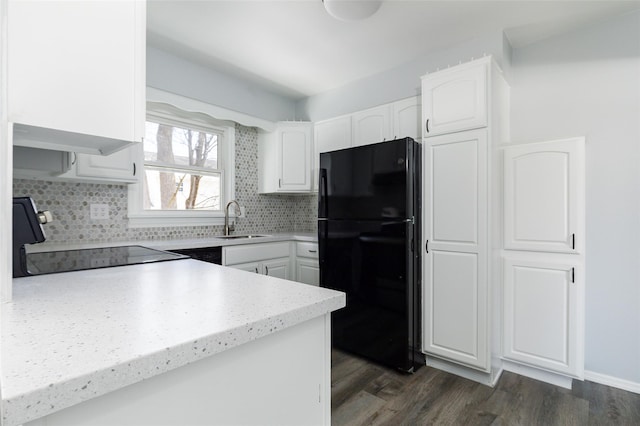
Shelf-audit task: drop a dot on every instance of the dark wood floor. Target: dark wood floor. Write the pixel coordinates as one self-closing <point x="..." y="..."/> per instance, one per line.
<point x="366" y="394"/>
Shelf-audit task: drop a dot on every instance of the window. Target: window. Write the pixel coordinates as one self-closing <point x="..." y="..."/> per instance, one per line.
<point x="188" y="166"/>
<point x="182" y="167"/>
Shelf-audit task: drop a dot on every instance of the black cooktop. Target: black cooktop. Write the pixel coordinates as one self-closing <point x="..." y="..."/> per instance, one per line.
<point x="78" y="260"/>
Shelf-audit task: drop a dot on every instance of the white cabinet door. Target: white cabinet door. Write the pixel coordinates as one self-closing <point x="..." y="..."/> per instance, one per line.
<point x="120" y="166"/>
<point x="329" y="135"/>
<point x="455" y="99"/>
<point x="254" y="267"/>
<point x="455" y="262"/>
<point x="78" y="66"/>
<point x="294" y="144"/>
<point x="284" y="159"/>
<point x="541" y="313"/>
<point x="406" y="118"/>
<point x="279" y="268"/>
<point x="372" y="125"/>
<point x="333" y="134"/>
<point x="246" y="253"/>
<point x="308" y="271"/>
<point x="543" y="195"/>
<point x="266" y="258"/>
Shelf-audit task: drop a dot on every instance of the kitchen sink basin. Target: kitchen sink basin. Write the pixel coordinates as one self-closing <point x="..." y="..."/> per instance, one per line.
<point x="239" y="237"/>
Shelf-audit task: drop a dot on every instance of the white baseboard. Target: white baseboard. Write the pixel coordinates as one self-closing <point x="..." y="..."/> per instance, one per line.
<point x="489" y="379"/>
<point x="538" y="374"/>
<point x="614" y="382"/>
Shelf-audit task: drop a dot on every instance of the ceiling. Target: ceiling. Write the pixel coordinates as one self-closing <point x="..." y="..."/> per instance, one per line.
<point x="296" y="49"/>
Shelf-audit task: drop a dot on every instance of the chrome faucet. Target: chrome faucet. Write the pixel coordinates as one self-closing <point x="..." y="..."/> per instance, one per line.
<point x="228" y="228"/>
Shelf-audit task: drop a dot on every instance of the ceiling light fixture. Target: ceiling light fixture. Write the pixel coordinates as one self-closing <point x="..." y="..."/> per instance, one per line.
<point x="351" y="10"/>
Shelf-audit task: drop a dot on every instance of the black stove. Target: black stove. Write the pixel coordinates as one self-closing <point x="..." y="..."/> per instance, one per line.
<point x="77" y="260"/>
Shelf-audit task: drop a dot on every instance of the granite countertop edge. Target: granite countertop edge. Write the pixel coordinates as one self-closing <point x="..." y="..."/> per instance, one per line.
<point x="177" y="244"/>
<point x="23" y="403"/>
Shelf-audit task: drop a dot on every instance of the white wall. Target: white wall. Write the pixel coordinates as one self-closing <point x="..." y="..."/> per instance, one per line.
<point x="587" y="83"/>
<point x="399" y="82"/>
<point x="171" y="73"/>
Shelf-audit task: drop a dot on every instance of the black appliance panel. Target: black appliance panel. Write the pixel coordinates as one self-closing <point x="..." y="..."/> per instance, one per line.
<point x="26" y="230"/>
<point x="79" y="260"/>
<point x="372" y="262"/>
<point x="205" y="254"/>
<point x="367" y="182"/>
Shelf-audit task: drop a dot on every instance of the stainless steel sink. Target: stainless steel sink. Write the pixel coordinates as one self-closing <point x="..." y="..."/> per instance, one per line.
<point x="238" y="237"/>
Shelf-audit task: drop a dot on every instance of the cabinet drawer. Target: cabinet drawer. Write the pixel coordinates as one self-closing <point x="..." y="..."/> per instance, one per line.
<point x="255" y="252"/>
<point x="307" y="250"/>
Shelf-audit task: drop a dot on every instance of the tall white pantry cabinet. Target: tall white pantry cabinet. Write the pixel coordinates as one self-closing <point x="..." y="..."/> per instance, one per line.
<point x="504" y="235"/>
<point x="465" y="116"/>
<point x="544" y="241"/>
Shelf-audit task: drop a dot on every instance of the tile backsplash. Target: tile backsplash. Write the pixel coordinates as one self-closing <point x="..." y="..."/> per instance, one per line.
<point x="69" y="204"/>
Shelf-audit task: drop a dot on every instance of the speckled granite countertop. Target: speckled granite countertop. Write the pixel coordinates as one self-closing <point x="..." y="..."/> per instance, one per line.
<point x="181" y="244"/>
<point x="70" y="337"/>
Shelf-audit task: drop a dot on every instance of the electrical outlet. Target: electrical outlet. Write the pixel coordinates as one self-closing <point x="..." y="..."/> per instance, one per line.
<point x="243" y="211"/>
<point x="99" y="211"/>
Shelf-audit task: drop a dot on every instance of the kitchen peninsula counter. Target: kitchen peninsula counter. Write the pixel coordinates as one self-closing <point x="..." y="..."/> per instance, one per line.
<point x="71" y="337"/>
<point x="175" y="244"/>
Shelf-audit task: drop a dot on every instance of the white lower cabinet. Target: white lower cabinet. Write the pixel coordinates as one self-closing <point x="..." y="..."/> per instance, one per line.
<point x="271" y="259"/>
<point x="296" y="261"/>
<point x="308" y="271"/>
<point x="307" y="264"/>
<point x="542" y="310"/>
<point x="276" y="268"/>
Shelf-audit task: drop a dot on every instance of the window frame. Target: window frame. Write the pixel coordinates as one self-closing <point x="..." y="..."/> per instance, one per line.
<point x="140" y="218"/>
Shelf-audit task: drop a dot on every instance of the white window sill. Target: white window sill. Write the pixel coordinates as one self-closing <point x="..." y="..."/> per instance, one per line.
<point x="172" y="219"/>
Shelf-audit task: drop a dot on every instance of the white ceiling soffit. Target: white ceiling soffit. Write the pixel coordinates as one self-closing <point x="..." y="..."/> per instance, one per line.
<point x="295" y="48"/>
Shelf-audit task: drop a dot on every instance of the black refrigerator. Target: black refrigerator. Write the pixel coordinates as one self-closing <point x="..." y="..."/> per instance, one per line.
<point x="369" y="200"/>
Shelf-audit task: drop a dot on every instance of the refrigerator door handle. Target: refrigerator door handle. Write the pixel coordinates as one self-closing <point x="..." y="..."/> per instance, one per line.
<point x="323" y="210"/>
<point x="322" y="246"/>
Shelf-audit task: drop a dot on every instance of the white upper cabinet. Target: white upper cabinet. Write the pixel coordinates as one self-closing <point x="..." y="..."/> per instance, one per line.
<point x="284" y="159"/>
<point x="77" y="68"/>
<point x="406" y="118"/>
<point x="330" y="135"/>
<point x="372" y="125"/>
<point x="121" y="166"/>
<point x="455" y="99"/>
<point x="543" y="192"/>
